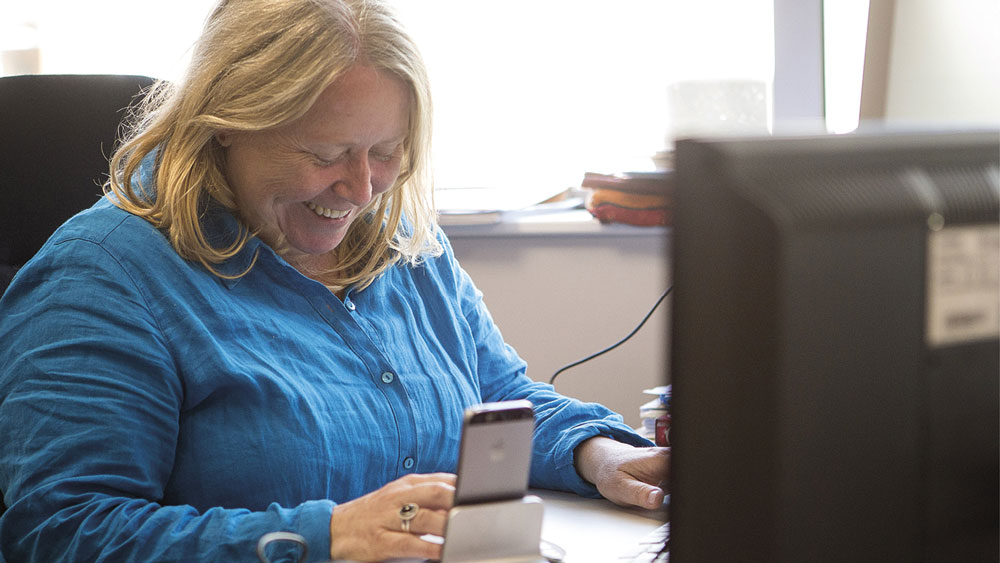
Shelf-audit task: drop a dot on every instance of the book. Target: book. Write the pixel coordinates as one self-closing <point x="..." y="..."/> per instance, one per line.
<point x="484" y="206"/>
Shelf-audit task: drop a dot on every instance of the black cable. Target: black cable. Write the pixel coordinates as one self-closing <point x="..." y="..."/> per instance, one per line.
<point x="615" y="345"/>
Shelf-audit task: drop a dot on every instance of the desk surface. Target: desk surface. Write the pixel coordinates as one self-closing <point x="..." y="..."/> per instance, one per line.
<point x="589" y="530"/>
<point x="594" y="530"/>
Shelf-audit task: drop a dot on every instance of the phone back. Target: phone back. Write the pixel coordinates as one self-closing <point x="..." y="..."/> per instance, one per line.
<point x="495" y="461"/>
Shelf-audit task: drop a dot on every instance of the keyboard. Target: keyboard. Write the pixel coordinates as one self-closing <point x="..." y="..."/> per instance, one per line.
<point x="653" y="548"/>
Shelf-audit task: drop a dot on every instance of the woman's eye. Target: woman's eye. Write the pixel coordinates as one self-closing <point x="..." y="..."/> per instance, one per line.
<point x="385" y="155"/>
<point x="324" y="162"/>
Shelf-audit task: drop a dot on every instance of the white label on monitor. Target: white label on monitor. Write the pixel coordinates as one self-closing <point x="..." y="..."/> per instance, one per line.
<point x="963" y="284"/>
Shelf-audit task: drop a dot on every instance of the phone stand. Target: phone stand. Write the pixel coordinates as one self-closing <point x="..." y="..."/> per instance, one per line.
<point x="509" y="530"/>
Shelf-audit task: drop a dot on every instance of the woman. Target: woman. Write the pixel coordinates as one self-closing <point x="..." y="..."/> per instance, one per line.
<point x="261" y="329"/>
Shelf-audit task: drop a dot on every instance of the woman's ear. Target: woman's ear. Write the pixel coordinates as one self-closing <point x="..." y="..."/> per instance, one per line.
<point x="224" y="138"/>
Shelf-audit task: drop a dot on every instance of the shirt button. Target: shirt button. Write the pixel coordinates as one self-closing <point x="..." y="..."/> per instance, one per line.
<point x="408" y="463"/>
<point x="387" y="377"/>
<point x="350" y="305"/>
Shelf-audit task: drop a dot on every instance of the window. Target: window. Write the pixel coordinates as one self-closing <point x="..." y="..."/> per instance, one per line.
<point x="846" y="28"/>
<point x="529" y="94"/>
<point x="532" y="94"/>
<point x="102" y="36"/>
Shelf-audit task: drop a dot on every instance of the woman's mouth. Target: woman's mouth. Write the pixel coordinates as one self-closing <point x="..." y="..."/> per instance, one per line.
<point x="328" y="213"/>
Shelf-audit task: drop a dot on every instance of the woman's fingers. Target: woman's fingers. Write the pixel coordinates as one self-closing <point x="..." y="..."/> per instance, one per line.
<point x="388" y="522"/>
<point x="426" y="521"/>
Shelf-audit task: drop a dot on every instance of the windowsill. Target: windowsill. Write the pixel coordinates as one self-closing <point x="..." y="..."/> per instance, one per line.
<point x="566" y="223"/>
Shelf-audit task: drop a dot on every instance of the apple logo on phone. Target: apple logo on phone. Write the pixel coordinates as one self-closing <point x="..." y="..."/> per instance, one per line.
<point x="498" y="451"/>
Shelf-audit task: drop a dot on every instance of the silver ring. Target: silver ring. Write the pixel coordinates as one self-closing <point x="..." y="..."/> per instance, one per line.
<point x="406" y="513"/>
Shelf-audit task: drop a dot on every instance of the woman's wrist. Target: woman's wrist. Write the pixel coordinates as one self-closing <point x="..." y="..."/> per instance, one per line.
<point x="589" y="455"/>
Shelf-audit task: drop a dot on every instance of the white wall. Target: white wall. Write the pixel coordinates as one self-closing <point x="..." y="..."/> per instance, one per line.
<point x="933" y="62"/>
<point x="558" y="298"/>
<point x="945" y="62"/>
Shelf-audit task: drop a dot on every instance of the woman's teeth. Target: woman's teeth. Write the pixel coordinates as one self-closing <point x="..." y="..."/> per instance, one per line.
<point x="328" y="213"/>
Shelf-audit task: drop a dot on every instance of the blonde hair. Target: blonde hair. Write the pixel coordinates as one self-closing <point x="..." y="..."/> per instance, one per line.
<point x="260" y="64"/>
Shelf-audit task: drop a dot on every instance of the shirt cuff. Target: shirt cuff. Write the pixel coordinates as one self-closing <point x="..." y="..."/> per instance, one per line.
<point x="312" y="522"/>
<point x="573" y="437"/>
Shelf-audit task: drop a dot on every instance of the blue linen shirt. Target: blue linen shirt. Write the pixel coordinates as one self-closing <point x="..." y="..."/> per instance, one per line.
<point x="153" y="411"/>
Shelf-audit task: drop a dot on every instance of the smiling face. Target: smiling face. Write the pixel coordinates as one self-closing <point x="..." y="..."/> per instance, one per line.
<point x="307" y="181"/>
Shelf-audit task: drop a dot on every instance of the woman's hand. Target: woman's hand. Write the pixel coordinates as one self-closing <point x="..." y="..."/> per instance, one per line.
<point x="624" y="474"/>
<point x="370" y="528"/>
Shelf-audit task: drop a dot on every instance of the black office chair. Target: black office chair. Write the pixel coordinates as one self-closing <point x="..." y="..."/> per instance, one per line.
<point x="57" y="133"/>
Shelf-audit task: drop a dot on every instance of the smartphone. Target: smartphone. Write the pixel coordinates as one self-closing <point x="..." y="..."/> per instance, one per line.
<point x="494" y="457"/>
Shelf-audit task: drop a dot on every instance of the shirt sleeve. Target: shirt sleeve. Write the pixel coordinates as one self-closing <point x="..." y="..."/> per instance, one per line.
<point x="561" y="423"/>
<point x="89" y="409"/>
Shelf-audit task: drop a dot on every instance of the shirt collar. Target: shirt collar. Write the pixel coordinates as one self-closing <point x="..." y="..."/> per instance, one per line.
<point x="220" y="227"/>
<point x="221" y="230"/>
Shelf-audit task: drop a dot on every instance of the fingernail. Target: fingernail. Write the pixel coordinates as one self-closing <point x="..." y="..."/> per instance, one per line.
<point x="652" y="499"/>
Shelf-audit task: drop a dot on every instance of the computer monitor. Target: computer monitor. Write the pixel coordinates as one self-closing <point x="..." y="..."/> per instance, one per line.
<point x="834" y="349"/>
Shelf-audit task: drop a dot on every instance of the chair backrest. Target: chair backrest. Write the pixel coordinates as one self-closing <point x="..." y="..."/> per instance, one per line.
<point x="57" y="133"/>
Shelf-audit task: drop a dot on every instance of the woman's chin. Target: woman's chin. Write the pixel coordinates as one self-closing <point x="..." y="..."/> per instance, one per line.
<point x="312" y="246"/>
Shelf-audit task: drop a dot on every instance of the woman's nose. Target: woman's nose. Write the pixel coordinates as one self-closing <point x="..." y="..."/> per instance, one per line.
<point x="357" y="181"/>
